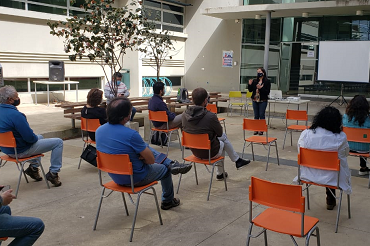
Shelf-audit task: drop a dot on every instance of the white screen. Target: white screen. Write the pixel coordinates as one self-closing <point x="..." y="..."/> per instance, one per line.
<point x="344" y="61"/>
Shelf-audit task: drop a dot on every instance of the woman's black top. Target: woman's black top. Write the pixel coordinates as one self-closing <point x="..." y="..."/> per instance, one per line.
<point x="264" y="91"/>
<point x="94" y="113"/>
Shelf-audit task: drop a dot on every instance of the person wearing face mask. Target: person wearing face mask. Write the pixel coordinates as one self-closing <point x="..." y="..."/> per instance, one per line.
<point x="122" y="91"/>
<point x="260" y="88"/>
<point x="28" y="143"/>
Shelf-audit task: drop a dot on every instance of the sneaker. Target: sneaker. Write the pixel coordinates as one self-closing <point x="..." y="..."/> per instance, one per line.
<point x="330" y="205"/>
<point x="34" y="173"/>
<point x="168" y="205"/>
<point x="241" y="163"/>
<point x="221" y="176"/>
<point x="363" y="171"/>
<point x="177" y="168"/>
<point x="53" y="178"/>
<point x="260" y="133"/>
<point x="255" y="133"/>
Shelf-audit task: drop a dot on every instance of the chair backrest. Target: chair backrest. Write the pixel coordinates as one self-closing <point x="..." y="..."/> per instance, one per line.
<point x="237" y="94"/>
<point x="248" y="94"/>
<point x="89" y="125"/>
<point x="254" y="125"/>
<point x="360" y="135"/>
<point x="160" y="116"/>
<point x="296" y="115"/>
<point x="319" y="159"/>
<point x="7" y="140"/>
<point x="195" y="141"/>
<point x="276" y="195"/>
<point x="114" y="163"/>
<point x="212" y="108"/>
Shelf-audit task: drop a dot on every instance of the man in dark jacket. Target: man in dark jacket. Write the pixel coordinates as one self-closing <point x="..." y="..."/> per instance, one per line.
<point x="197" y="120"/>
<point x="156" y="104"/>
<point x="28" y="143"/>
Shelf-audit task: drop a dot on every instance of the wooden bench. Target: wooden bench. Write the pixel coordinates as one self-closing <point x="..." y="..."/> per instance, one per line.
<point x="73" y="110"/>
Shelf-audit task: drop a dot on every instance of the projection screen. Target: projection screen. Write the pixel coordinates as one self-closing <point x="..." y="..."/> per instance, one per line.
<point x="344" y="61"/>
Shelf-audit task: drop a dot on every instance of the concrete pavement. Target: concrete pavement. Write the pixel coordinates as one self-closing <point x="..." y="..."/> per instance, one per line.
<point x="69" y="211"/>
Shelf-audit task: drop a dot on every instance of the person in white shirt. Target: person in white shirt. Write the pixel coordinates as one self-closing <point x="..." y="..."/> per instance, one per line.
<point x="326" y="134"/>
<point x="122" y="91"/>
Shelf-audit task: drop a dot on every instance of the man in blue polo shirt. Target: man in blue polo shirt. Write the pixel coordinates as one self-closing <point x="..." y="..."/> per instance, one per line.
<point x="115" y="138"/>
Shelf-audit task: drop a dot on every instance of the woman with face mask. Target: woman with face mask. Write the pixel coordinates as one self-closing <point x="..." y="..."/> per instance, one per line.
<point x="261" y="89"/>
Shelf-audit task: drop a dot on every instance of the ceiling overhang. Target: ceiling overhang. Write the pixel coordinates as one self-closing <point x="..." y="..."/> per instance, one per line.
<point x="321" y="8"/>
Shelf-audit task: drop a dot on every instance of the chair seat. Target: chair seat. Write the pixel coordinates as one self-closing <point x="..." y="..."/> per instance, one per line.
<point x="297" y="127"/>
<point x="161" y="130"/>
<point x="193" y="158"/>
<point x="89" y="141"/>
<point x="127" y="189"/>
<point x="285" y="222"/>
<point x="237" y="104"/>
<point x="8" y="158"/>
<point x="260" y="139"/>
<point x="367" y="155"/>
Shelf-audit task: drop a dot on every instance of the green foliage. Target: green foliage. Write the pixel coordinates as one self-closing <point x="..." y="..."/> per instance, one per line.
<point x="103" y="34"/>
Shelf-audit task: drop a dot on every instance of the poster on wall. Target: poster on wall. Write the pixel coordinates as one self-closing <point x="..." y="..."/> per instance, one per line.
<point x="227" y="58"/>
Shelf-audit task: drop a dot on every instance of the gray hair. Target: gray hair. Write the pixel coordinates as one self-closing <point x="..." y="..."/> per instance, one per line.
<point x="6" y="92"/>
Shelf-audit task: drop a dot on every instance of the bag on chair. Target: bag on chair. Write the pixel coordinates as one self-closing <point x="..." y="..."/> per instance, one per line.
<point x="156" y="139"/>
<point x="183" y="95"/>
<point x="89" y="155"/>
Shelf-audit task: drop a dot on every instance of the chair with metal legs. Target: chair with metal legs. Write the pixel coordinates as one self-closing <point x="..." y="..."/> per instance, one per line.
<point x="297" y="115"/>
<point x="213" y="108"/>
<point x="88" y="125"/>
<point x="108" y="163"/>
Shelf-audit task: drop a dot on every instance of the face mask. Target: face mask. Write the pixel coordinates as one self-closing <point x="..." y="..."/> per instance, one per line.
<point x="259" y="75"/>
<point x="118" y="82"/>
<point x="16" y="102"/>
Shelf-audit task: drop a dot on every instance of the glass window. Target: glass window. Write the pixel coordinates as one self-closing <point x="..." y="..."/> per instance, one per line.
<point x="172" y="28"/>
<point x="19" y="84"/>
<point x="86" y="83"/>
<point x="45" y="9"/>
<point x="153" y="14"/>
<point x="12" y="4"/>
<point x="78" y="3"/>
<point x="77" y="13"/>
<point x="152" y="3"/>
<point x="52" y="2"/>
<point x="173" y="18"/>
<point x="173" y="8"/>
<point x="254" y="31"/>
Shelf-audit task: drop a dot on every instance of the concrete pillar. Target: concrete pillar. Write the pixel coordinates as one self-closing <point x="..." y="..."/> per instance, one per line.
<point x="267" y="41"/>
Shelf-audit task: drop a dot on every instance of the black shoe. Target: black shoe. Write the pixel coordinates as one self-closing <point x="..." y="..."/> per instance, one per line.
<point x="177" y="168"/>
<point x="260" y="133"/>
<point x="363" y="171"/>
<point x="53" y="178"/>
<point x="241" y="163"/>
<point x="34" y="173"/>
<point x="221" y="176"/>
<point x="330" y="204"/>
<point x="168" y="205"/>
<point x="255" y="133"/>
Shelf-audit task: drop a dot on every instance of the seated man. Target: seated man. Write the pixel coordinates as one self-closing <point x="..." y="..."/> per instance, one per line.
<point x="122" y="91"/>
<point x="156" y="104"/>
<point x="28" y="144"/>
<point x="115" y="138"/>
<point x="198" y="120"/>
<point x="24" y="230"/>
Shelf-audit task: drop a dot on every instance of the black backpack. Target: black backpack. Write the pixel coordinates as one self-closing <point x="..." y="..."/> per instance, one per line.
<point x="159" y="138"/>
<point x="183" y="95"/>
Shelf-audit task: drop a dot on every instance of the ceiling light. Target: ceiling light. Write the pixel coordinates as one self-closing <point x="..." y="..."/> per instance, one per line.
<point x="257" y="17"/>
<point x="305" y="15"/>
<point x="359" y="12"/>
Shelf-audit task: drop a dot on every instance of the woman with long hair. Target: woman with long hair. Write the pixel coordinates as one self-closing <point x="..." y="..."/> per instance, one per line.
<point x="260" y="88"/>
<point x="357" y="116"/>
<point x="326" y="134"/>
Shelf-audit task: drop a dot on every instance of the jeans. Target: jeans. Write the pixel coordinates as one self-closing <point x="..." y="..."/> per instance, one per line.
<point x="42" y="146"/>
<point x="162" y="173"/>
<point x="176" y="122"/>
<point x="25" y="230"/>
<point x="133" y="112"/>
<point x="259" y="109"/>
<point x="225" y="145"/>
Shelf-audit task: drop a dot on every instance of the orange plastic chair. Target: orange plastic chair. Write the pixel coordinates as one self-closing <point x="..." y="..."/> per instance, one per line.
<point x="120" y="164"/>
<point x="285" y="213"/>
<point x="200" y="141"/>
<point x="88" y="125"/>
<point x="298" y="115"/>
<point x="260" y="126"/>
<point x="360" y="135"/>
<point x="235" y="99"/>
<point x="323" y="160"/>
<point x="161" y="116"/>
<point x="7" y="140"/>
<point x="213" y="108"/>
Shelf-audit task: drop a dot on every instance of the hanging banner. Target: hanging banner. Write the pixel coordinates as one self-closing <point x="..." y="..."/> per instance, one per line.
<point x="227" y="58"/>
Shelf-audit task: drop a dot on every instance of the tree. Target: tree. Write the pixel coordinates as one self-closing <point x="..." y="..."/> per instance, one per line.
<point x="103" y="34"/>
<point x="157" y="45"/>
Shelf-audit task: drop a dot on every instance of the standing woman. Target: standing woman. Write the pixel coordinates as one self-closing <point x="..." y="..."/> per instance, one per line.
<point x="261" y="89"/>
<point x="357" y="116"/>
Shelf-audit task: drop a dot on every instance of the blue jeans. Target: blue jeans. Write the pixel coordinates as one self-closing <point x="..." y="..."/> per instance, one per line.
<point x="42" y="146"/>
<point x="259" y="109"/>
<point x="133" y="112"/>
<point x="25" y="230"/>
